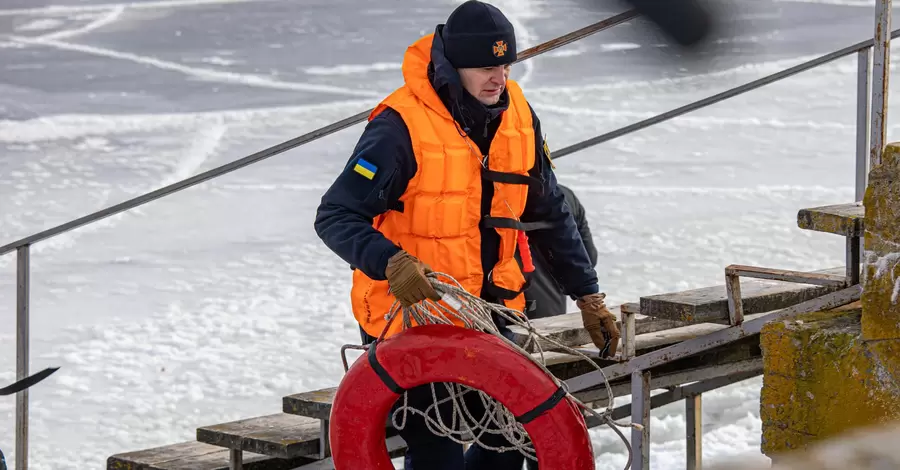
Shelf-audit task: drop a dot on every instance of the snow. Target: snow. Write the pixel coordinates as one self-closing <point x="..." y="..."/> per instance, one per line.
<point x="211" y="304"/>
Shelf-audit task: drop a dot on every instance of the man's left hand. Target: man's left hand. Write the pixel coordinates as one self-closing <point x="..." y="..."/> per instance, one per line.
<point x="600" y="323"/>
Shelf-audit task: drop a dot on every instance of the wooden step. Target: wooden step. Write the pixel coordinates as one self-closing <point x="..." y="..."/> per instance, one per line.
<point x="710" y="304"/>
<point x="315" y="404"/>
<point x="841" y="219"/>
<point x="194" y="456"/>
<point x="279" y="435"/>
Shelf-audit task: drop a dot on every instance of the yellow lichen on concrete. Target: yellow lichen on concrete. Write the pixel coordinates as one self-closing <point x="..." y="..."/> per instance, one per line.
<point x="831" y="372"/>
<point x="821" y="380"/>
<point x="881" y="288"/>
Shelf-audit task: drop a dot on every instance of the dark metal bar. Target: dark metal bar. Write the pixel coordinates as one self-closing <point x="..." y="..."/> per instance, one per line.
<point x="680" y="393"/>
<point x="706" y="342"/>
<point x="853" y="260"/>
<point x="23" y="288"/>
<point x="716" y="98"/>
<point x="288" y="145"/>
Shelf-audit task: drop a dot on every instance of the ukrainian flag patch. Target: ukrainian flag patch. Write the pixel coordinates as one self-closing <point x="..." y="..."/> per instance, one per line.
<point x="365" y="168"/>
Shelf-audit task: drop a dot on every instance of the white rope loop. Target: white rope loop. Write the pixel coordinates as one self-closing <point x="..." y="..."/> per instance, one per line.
<point x="476" y="313"/>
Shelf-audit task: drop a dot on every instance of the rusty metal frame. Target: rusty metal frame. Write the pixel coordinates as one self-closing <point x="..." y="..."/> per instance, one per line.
<point x="703" y="343"/>
<point x="734" y="272"/>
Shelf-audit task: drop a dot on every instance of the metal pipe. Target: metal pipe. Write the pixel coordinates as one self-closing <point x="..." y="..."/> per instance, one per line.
<point x="288" y="145"/>
<point x="863" y="97"/>
<point x="693" y="414"/>
<point x="640" y="414"/>
<point x="714" y="99"/>
<point x="880" y="77"/>
<point x="23" y="281"/>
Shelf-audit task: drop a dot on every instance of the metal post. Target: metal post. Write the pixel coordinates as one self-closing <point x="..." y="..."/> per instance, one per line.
<point x="863" y="127"/>
<point x="630" y="333"/>
<point x="324" y="439"/>
<point x="693" y="416"/>
<point x="640" y="413"/>
<point x="735" y="302"/>
<point x="23" y="258"/>
<point x="236" y="459"/>
<point x="880" y="77"/>
<point x="853" y="260"/>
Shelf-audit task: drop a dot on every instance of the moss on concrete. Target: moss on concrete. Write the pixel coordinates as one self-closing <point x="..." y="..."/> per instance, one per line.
<point x="881" y="288"/>
<point x="821" y="379"/>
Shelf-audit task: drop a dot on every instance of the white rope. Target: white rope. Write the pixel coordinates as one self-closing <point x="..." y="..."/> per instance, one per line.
<point x="476" y="313"/>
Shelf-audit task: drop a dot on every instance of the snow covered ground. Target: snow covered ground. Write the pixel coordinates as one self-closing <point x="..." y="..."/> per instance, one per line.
<point x="210" y="305"/>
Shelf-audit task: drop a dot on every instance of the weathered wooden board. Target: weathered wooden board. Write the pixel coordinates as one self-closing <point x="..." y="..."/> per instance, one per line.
<point x="841" y="219"/>
<point x="710" y="304"/>
<point x="317" y="404"/>
<point x="568" y="329"/>
<point x="194" y="456"/>
<point x="314" y="404"/>
<point x="280" y="435"/>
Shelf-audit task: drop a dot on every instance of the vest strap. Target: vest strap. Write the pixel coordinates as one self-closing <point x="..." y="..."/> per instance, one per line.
<point x="506" y="222"/>
<point x="505" y="294"/>
<point x="510" y="178"/>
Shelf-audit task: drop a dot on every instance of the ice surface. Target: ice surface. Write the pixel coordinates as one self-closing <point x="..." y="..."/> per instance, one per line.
<point x="209" y="305"/>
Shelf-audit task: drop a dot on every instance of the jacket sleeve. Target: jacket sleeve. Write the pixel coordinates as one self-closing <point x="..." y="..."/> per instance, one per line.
<point x="561" y="245"/>
<point x="581" y="222"/>
<point x="370" y="184"/>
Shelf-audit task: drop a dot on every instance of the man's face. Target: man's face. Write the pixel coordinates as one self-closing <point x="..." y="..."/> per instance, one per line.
<point x="485" y="83"/>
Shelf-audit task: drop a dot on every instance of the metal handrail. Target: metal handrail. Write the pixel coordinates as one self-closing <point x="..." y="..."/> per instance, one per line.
<point x="347" y="122"/>
<point x="22" y="246"/>
<point x="860" y="46"/>
<point x="285" y="146"/>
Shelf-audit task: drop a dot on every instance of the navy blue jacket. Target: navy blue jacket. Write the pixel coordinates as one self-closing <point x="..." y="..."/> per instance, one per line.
<point x="344" y="217"/>
<point x="545" y="297"/>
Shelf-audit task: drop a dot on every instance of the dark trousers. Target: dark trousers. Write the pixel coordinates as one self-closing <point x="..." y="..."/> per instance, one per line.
<point x="428" y="451"/>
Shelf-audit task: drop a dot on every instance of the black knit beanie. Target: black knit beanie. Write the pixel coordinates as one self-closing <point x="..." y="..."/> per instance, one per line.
<point x="478" y="35"/>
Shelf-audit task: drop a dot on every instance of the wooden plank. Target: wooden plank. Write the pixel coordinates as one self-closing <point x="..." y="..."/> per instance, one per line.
<point x="314" y="404"/>
<point x="568" y="329"/>
<point x="757" y="272"/>
<point x="194" y="456"/>
<point x="841" y="219"/>
<point x="710" y="304"/>
<point x="279" y="435"/>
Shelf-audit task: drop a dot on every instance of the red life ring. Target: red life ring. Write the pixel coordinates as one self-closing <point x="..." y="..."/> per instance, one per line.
<point x="446" y="353"/>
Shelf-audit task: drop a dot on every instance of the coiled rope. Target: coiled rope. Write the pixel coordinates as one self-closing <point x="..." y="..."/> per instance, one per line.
<point x="476" y="313"/>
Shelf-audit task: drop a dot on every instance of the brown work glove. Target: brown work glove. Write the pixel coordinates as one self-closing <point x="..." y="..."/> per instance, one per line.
<point x="600" y="323"/>
<point x="406" y="276"/>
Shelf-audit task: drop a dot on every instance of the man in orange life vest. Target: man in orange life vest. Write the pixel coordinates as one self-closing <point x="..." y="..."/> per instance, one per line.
<point x="449" y="169"/>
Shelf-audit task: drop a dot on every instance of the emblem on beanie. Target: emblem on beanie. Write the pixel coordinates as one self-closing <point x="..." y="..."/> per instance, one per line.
<point x="500" y="48"/>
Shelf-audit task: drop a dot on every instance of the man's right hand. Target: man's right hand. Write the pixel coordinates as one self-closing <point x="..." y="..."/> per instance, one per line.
<point x="406" y="276"/>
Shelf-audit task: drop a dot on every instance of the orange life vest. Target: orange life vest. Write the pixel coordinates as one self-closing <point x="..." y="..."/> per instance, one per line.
<point x="441" y="216"/>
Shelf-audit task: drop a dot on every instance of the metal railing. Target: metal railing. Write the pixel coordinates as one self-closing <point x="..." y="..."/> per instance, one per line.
<point x="866" y="153"/>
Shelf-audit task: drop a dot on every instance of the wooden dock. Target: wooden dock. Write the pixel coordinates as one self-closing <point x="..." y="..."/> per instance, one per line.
<point x="686" y="342"/>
